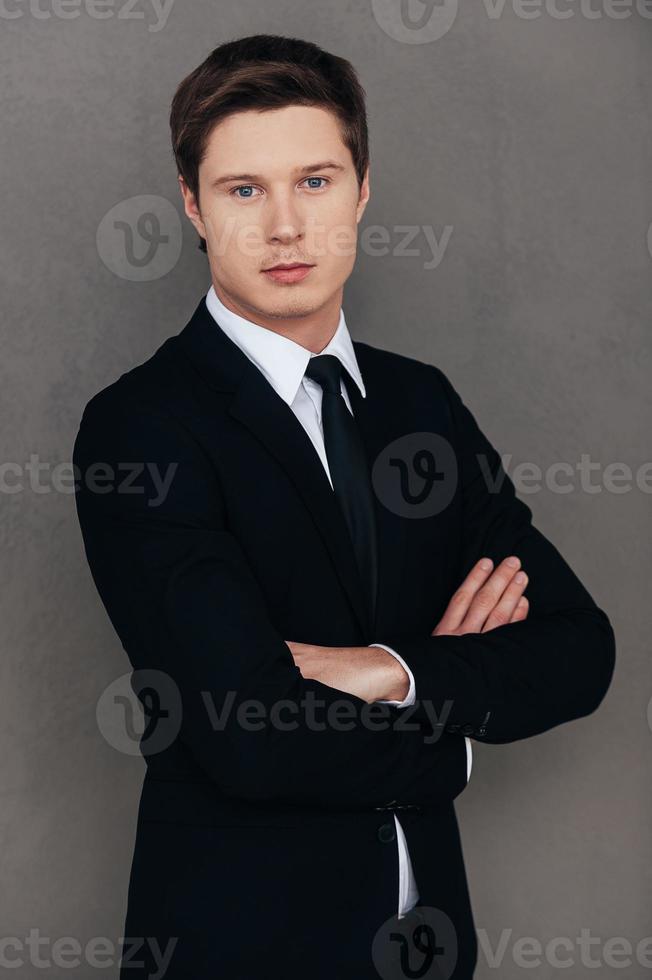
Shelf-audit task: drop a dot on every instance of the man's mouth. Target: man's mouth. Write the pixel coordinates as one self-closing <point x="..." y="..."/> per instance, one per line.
<point x="287" y="272"/>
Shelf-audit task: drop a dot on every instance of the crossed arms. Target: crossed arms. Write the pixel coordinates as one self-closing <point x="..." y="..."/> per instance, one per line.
<point x="181" y="596"/>
<point x="486" y="599"/>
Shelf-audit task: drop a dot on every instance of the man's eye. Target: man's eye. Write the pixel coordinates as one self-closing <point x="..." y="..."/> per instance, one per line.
<point x="248" y="189"/>
<point x="243" y="187"/>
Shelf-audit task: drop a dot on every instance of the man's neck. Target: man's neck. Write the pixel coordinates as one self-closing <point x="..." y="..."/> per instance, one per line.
<point x="312" y="331"/>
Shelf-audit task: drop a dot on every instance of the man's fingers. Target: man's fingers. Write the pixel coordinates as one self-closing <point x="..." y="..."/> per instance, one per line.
<point x="504" y="610"/>
<point x="486" y="599"/>
<point x="459" y="604"/>
<point x="521" y="610"/>
<point x="490" y="594"/>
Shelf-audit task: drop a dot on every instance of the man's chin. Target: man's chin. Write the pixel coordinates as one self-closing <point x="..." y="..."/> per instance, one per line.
<point x="274" y="302"/>
<point x="289" y="303"/>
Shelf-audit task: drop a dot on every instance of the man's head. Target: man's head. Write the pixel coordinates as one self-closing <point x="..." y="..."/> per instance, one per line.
<point x="285" y="122"/>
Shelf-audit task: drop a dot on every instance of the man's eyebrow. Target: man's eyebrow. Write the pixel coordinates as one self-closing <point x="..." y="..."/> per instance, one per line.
<point x="298" y="171"/>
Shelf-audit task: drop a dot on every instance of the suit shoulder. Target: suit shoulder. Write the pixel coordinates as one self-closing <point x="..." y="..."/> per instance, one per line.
<point x="141" y="415"/>
<point x="153" y="386"/>
<point x="385" y="362"/>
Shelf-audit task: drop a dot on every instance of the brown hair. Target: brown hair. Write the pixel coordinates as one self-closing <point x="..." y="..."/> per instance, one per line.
<point x="264" y="71"/>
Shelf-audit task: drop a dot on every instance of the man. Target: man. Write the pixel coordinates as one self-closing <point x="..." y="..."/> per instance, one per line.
<point x="320" y="554"/>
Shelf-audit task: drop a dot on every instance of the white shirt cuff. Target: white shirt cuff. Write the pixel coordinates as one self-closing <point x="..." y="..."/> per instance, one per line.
<point x="469" y="758"/>
<point x="410" y="698"/>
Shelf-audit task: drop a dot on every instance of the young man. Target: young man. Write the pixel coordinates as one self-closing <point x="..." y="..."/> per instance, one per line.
<point x="329" y="582"/>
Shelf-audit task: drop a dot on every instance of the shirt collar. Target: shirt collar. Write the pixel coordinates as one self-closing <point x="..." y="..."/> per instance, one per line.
<point x="281" y="360"/>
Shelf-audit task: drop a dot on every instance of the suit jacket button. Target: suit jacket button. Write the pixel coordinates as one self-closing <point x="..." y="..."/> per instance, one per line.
<point x="386" y="833"/>
<point x="467" y="729"/>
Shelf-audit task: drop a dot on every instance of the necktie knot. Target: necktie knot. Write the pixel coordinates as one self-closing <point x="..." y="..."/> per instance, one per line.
<point x="326" y="370"/>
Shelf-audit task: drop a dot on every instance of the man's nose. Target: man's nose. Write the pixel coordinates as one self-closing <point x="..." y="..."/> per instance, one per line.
<point x="285" y="221"/>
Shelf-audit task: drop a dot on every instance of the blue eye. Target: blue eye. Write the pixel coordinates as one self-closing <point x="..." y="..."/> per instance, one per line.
<point x="248" y="189"/>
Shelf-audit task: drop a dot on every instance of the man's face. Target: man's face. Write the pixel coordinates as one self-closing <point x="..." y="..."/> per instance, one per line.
<point x="291" y="196"/>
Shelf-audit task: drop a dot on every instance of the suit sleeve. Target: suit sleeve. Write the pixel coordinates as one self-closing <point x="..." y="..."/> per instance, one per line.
<point x="523" y="678"/>
<point x="184" y="600"/>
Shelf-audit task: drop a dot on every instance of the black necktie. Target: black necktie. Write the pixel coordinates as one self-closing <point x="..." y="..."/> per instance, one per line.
<point x="349" y="470"/>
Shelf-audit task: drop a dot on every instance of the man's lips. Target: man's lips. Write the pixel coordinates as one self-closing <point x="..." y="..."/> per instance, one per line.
<point x="287" y="265"/>
<point x="288" y="272"/>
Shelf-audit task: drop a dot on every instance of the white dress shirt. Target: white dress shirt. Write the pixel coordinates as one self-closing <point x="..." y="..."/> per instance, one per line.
<point x="283" y="362"/>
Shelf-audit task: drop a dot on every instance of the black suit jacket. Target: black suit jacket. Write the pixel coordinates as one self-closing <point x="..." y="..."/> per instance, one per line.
<point x="265" y="842"/>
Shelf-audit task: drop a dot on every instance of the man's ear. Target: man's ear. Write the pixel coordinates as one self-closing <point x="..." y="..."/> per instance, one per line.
<point x="364" y="196"/>
<point x="191" y="208"/>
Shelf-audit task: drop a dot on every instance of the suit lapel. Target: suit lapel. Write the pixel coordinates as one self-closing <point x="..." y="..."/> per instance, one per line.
<point x="273" y="422"/>
<point x="256" y="405"/>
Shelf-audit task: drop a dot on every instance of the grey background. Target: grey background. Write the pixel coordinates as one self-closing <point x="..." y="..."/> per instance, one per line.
<point x="532" y="139"/>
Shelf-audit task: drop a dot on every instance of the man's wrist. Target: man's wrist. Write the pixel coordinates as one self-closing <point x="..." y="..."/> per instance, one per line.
<point x="401" y="685"/>
<point x="397" y="680"/>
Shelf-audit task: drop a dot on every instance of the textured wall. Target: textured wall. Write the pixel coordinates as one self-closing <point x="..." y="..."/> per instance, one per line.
<point x="519" y="140"/>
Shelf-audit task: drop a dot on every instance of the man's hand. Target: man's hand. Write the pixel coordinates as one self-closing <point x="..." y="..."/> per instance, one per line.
<point x="370" y="673"/>
<point x="486" y="600"/>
